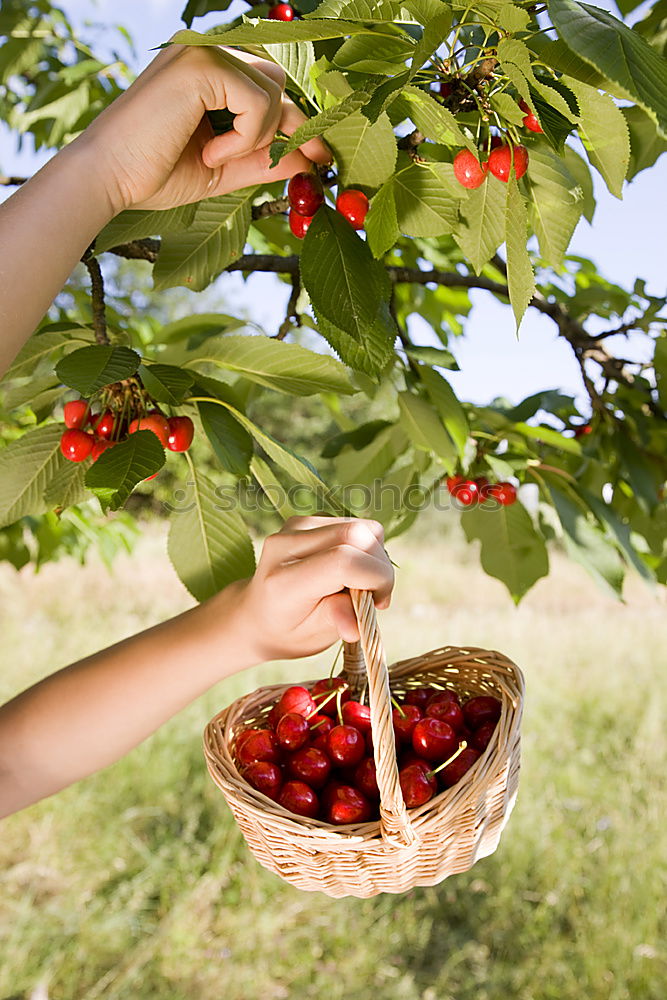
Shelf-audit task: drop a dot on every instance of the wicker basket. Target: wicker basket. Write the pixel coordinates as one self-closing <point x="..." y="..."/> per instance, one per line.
<point x="403" y="849"/>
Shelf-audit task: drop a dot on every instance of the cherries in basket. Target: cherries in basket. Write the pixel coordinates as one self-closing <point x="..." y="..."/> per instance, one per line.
<point x="314" y="752"/>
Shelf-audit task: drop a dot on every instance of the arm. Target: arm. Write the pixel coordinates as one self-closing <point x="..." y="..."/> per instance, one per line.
<point x="89" y="714"/>
<point x="153" y="148"/>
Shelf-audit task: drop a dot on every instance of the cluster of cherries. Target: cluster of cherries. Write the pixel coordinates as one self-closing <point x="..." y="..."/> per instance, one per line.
<point x="314" y="755"/>
<point x="305" y="194"/>
<point x="469" y="492"/>
<point x="471" y="173"/>
<point x="89" y="434"/>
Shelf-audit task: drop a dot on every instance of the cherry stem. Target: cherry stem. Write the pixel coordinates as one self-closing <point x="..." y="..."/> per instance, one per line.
<point x="462" y="747"/>
<point x="336" y="659"/>
<point x="397" y="706"/>
<point x="327" y="698"/>
<point x="339" y="701"/>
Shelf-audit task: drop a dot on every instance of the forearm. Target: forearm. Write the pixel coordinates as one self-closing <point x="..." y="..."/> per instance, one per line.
<point x="86" y="716"/>
<point x="45" y="228"/>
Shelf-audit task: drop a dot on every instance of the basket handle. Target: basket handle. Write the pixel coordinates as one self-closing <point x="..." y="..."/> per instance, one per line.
<point x="368" y="657"/>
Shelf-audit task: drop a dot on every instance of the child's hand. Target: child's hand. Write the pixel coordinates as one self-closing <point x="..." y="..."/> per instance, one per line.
<point x="296" y="604"/>
<point x="157" y="148"/>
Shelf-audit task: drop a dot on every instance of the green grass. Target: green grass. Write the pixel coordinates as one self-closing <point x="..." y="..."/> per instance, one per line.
<point x="136" y="883"/>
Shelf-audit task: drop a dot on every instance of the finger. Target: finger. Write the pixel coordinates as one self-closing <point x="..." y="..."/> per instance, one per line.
<point x="255" y="168"/>
<point x="292" y="117"/>
<point x="307" y="521"/>
<point x="287" y="546"/>
<point x="257" y="119"/>
<point x="338" y="609"/>
<point x="332" y="570"/>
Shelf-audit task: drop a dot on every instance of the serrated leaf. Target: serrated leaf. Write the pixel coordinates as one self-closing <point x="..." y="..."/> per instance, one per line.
<point x="297" y="59"/>
<point x="357" y="438"/>
<point x="435" y="121"/>
<point x="138" y="224"/>
<point x="380" y="56"/>
<point x="512" y="18"/>
<point x="383" y="96"/>
<point x="27" y="466"/>
<point x="365" y="154"/>
<point x="604" y="133"/>
<point x="645" y="143"/>
<point x="511" y="549"/>
<point x="20" y="395"/>
<point x="556" y="203"/>
<point x="362" y="10"/>
<point x="370" y="355"/>
<point x="66" y="487"/>
<point x="118" y="470"/>
<point x="273" y="489"/>
<point x="582" y="175"/>
<point x="381" y="224"/>
<point x="89" y="369"/>
<point x="555" y="126"/>
<point x="437" y="356"/>
<point x="617" y="52"/>
<point x="319" y="124"/>
<point x="424" y="428"/>
<point x="365" y="465"/>
<point x="660" y="365"/>
<point x="587" y="544"/>
<point x="166" y="383"/>
<point x="275" y="364"/>
<point x="482" y="226"/>
<point x="447" y="405"/>
<point x="507" y="108"/>
<point x="520" y="276"/>
<point x="215" y="238"/>
<point x="347" y="287"/>
<point x="427" y="199"/>
<point x="435" y="30"/>
<point x="231" y="443"/>
<point x="619" y="530"/>
<point x="256" y="31"/>
<point x="515" y="59"/>
<point x="209" y="545"/>
<point x="40" y="347"/>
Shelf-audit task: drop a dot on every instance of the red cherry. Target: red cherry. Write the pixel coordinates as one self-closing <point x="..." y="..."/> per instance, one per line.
<point x="76" y="445"/>
<point x="504" y="493"/>
<point x="348" y="805"/>
<point x="466" y="493"/>
<point x="346" y="746"/>
<point x="153" y="422"/>
<point x="454" y="481"/>
<point x="405" y="719"/>
<point x="299" y="798"/>
<point x="365" y="778"/>
<point x="444" y="694"/>
<point x="260" y="744"/>
<point x="274" y="717"/>
<point x="320" y="743"/>
<point x="369" y="743"/>
<point x="320" y="725"/>
<point x="296" y="699"/>
<point x="353" y="205"/>
<point x="532" y="124"/>
<point x="75" y="413"/>
<point x="418" y="784"/>
<point x="446" y="711"/>
<point x="241" y="737"/>
<point x="582" y="430"/>
<point x="500" y="162"/>
<point x="299" y="224"/>
<point x="265" y="777"/>
<point x="292" y="731"/>
<point x="418" y="696"/>
<point x="305" y="194"/>
<point x="496" y="142"/>
<point x="482" y="708"/>
<point x="434" y="740"/>
<point x="455" y="771"/>
<point x="468" y="170"/>
<point x="323" y="692"/>
<point x="357" y="715"/>
<point x="104" y="424"/>
<point x="99" y="447"/>
<point x="281" y="12"/>
<point x="445" y="89"/>
<point x="482" y="484"/>
<point x="481" y="738"/>
<point x="310" y="765"/>
<point x="181" y="433"/>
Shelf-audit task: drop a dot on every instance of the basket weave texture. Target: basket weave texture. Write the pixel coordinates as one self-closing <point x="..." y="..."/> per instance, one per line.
<point x="404" y="849"/>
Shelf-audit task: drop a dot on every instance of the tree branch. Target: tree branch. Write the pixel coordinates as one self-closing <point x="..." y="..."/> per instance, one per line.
<point x="97" y="299"/>
<point x="291" y="314"/>
<point x="12" y="181"/>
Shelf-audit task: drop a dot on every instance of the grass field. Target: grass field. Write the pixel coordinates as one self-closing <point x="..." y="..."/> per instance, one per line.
<point x="136" y="883"/>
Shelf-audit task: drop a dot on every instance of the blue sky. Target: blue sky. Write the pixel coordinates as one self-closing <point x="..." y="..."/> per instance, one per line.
<point x="625" y="240"/>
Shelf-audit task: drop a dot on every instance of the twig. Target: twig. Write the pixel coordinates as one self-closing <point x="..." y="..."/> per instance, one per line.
<point x="12" y="181"/>
<point x="291" y="313"/>
<point x="97" y="299"/>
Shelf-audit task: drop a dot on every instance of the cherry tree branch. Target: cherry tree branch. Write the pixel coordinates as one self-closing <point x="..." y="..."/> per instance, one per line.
<point x="97" y="299"/>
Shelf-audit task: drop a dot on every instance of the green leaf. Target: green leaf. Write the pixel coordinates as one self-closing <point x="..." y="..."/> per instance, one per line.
<point x="582" y="175"/>
<point x="91" y="368"/>
<point x="382" y="229"/>
<point x="67" y="486"/>
<point x="209" y="545"/>
<point x="507" y="108"/>
<point x="482" y="227"/>
<point x="520" y="277"/>
<point x="264" y="32"/>
<point x="435" y="121"/>
<point x="138" y="224"/>
<point x="515" y="58"/>
<point x="197" y="8"/>
<point x="380" y="56"/>
<point x="357" y="438"/>
<point x="27" y="466"/>
<point x="548" y="436"/>
<point x="424" y="428"/>
<point x="166" y="383"/>
<point x="436" y="30"/>
<point x="555" y="126"/>
<point x="645" y="143"/>
<point x="347" y="287"/>
<point x="40" y="347"/>
<point x="118" y="470"/>
<point x="215" y="238"/>
<point x="619" y="530"/>
<point x="273" y="489"/>
<point x="512" y="550"/>
<point x="436" y="356"/>
<point x="297" y="59"/>
<point x="587" y="544"/>
<point x="276" y="364"/>
<point x="447" y="405"/>
<point x="557" y="203"/>
<point x="427" y="199"/>
<point x="365" y="153"/>
<point x="617" y="52"/>
<point x="604" y="133"/>
<point x="231" y="443"/>
<point x="362" y="10"/>
<point x="319" y="124"/>
<point x="23" y="394"/>
<point x="368" y="355"/>
<point x="365" y="465"/>
<point x="660" y="364"/>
